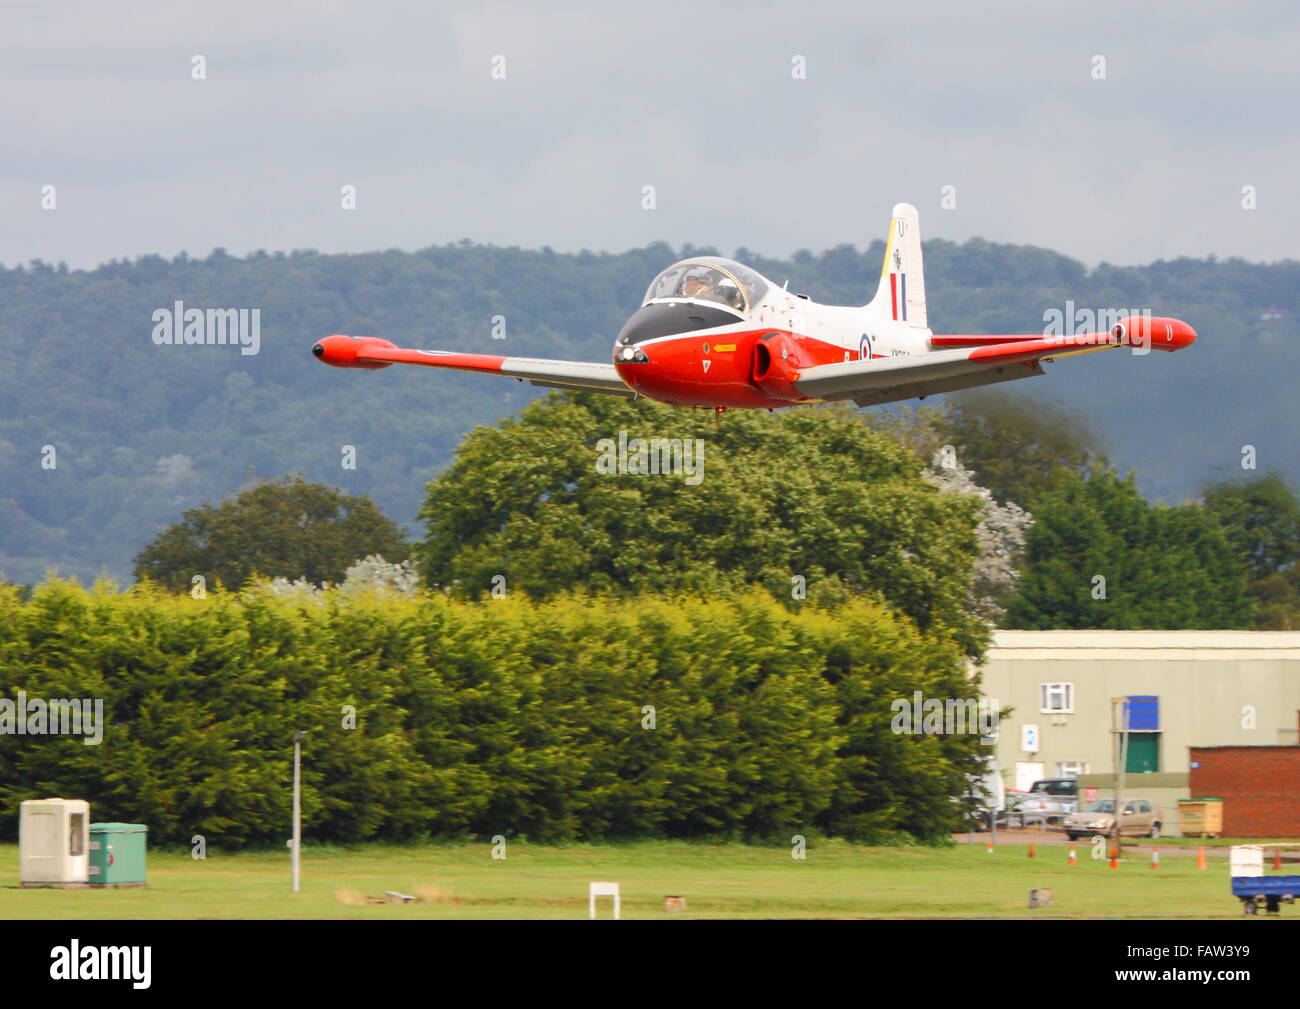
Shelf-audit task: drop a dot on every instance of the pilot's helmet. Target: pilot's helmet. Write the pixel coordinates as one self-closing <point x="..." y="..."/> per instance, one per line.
<point x="729" y="291"/>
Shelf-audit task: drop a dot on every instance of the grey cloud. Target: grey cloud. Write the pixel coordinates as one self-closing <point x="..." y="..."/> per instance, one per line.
<point x="695" y="99"/>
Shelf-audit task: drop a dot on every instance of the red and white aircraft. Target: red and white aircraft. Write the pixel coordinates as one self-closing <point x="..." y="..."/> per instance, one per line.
<point x="714" y="333"/>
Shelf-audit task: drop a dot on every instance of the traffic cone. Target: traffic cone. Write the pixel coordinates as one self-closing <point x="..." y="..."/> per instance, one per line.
<point x="1155" y="858"/>
<point x="1073" y="860"/>
<point x="1114" y="858"/>
<point x="1200" y="856"/>
<point x="1031" y="851"/>
<point x="1277" y="858"/>
<point x="989" y="845"/>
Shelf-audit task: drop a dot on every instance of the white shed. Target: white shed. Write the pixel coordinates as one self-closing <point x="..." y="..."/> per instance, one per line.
<point x="53" y="842"/>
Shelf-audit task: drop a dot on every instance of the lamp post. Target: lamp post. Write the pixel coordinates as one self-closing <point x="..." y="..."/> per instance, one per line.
<point x="296" y="843"/>
<point x="1119" y="726"/>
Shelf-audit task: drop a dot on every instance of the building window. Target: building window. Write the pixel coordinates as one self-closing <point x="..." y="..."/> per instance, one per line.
<point x="1071" y="768"/>
<point x="1057" y="697"/>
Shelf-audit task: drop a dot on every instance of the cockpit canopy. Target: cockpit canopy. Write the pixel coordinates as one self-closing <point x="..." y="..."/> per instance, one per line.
<point x="712" y="279"/>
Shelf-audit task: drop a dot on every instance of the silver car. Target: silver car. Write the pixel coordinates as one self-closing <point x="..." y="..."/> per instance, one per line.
<point x="1140" y="817"/>
<point x="1049" y="800"/>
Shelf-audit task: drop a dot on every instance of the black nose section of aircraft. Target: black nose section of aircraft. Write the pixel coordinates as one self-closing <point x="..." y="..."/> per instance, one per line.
<point x="665" y="319"/>
<point x="318" y="350"/>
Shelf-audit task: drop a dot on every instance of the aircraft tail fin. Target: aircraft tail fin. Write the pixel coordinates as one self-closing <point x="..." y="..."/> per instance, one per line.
<point x="901" y="294"/>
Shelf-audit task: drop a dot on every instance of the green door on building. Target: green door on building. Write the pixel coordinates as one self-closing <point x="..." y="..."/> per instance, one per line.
<point x="1143" y="753"/>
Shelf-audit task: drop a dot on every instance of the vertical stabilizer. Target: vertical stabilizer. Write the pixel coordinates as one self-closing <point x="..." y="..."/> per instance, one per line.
<point x="901" y="294"/>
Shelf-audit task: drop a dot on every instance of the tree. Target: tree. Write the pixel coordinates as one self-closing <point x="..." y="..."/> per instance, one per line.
<point x="1099" y="556"/>
<point x="432" y="716"/>
<point x="786" y="500"/>
<point x="287" y="528"/>
<point x="1261" y="518"/>
<point x="1015" y="445"/>
<point x="120" y="477"/>
<point x="1277" y="601"/>
<point x="1001" y="538"/>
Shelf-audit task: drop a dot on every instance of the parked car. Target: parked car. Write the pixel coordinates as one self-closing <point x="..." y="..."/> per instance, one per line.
<point x="1007" y="817"/>
<point x="1140" y="818"/>
<point x="1050" y="800"/>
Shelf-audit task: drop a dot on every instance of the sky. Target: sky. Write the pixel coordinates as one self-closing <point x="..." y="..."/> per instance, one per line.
<point x="1100" y="131"/>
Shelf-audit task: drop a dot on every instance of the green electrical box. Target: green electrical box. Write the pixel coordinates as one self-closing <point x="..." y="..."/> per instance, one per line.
<point x="117" y="854"/>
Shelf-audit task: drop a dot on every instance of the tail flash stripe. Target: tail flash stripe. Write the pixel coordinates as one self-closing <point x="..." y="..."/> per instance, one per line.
<point x="900" y="294"/>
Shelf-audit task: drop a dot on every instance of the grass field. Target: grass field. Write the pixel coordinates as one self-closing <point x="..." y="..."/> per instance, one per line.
<point x="836" y="880"/>
<point x="1206" y="842"/>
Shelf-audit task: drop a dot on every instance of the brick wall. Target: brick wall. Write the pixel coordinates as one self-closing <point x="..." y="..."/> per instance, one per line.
<point x="1259" y="786"/>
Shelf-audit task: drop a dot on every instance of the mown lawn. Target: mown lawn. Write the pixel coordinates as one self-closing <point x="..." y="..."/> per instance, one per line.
<point x="1207" y="842"/>
<point x="836" y="880"/>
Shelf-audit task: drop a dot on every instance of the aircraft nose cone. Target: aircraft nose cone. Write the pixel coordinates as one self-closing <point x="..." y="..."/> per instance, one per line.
<point x="318" y="350"/>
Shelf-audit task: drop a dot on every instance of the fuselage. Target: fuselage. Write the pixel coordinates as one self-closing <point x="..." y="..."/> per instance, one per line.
<point x="730" y="338"/>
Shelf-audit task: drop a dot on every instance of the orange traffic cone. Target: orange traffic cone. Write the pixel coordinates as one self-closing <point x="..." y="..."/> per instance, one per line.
<point x="1031" y="851"/>
<point x="1277" y="858"/>
<point x="1200" y="857"/>
<point x="1155" y="858"/>
<point x="989" y="844"/>
<point x="1073" y="860"/>
<point x="1114" y="858"/>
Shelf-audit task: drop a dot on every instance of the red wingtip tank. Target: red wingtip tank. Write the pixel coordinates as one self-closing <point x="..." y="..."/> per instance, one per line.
<point x="341" y="351"/>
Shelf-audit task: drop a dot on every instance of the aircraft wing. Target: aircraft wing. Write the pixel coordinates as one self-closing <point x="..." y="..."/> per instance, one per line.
<point x="978" y="360"/>
<point x="370" y="352"/>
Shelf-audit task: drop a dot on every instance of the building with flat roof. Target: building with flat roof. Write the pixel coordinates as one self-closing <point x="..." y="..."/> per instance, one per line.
<point x="1184" y="689"/>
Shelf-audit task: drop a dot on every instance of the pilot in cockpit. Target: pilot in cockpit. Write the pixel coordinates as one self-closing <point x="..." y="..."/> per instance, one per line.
<point x="699" y="284"/>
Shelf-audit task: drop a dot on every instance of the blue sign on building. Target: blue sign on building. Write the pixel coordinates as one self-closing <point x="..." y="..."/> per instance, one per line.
<point x="1143" y="714"/>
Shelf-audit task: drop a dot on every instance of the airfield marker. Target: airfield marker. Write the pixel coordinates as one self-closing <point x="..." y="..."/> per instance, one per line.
<point x="1200" y="856"/>
<point x="1155" y="858"/>
<point x="1277" y="858"/>
<point x="1114" y="858"/>
<point x="1073" y="860"/>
